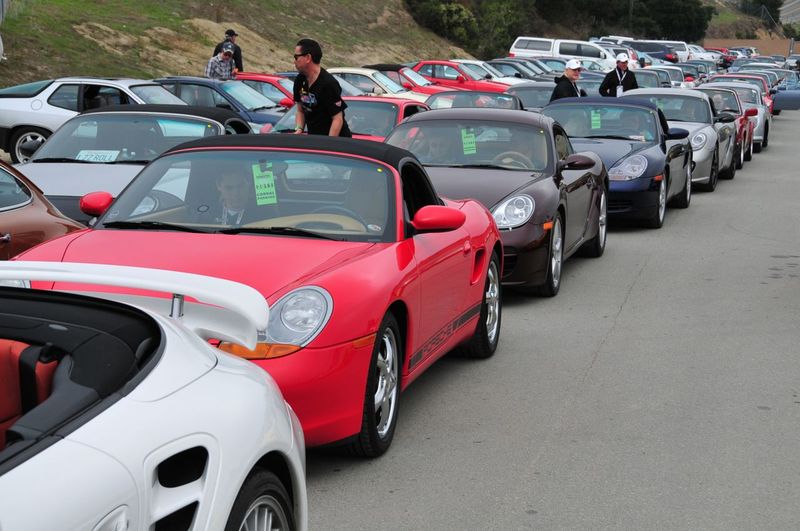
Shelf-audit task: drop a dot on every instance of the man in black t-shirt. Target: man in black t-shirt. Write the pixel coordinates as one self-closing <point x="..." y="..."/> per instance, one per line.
<point x="230" y="37"/>
<point x="320" y="106"/>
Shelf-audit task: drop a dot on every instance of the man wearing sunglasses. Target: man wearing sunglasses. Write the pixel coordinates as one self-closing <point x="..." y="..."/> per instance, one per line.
<point x="221" y="65"/>
<point x="321" y="108"/>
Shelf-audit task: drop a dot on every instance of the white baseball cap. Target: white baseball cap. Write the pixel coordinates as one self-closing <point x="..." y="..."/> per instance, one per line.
<point x="574" y="64"/>
<point x="622" y="58"/>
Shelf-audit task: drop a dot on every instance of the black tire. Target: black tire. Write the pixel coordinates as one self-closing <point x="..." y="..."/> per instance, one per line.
<point x="552" y="282"/>
<point x="765" y="143"/>
<point x="748" y="155"/>
<point x="714" y="177"/>
<point x="776" y="113"/>
<point x="374" y="439"/>
<point x="684" y="199"/>
<point x="656" y="219"/>
<point x="262" y="487"/>
<point x="730" y="172"/>
<point x="484" y="343"/>
<point x="757" y="147"/>
<point x="595" y="247"/>
<point x="22" y="135"/>
<point x="739" y="156"/>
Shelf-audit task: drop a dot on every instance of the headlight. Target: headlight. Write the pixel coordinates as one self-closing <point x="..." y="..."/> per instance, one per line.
<point x="514" y="212"/>
<point x="630" y="168"/>
<point x="15" y="283"/>
<point x="298" y="317"/>
<point x="698" y="141"/>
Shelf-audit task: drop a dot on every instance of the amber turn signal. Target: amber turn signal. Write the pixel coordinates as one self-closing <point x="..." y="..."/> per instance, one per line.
<point x="263" y="351"/>
<point x="547" y="225"/>
<point x="658" y="178"/>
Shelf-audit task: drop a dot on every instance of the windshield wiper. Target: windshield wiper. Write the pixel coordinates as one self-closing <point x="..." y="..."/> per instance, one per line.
<point x="490" y="166"/>
<point x="151" y="225"/>
<point x="286" y="231"/>
<point x="614" y="137"/>
<point x="63" y="159"/>
<point x="262" y="108"/>
<point x="130" y="161"/>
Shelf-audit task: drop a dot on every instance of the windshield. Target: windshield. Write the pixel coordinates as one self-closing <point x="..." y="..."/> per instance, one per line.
<point x="601" y="121"/>
<point x="249" y="98"/>
<point x="492" y="70"/>
<point x="374" y="118"/>
<point x="156" y="94"/>
<point x="415" y="77"/>
<point x="390" y="85"/>
<point x="747" y="95"/>
<point x="287" y="84"/>
<point x="533" y="97"/>
<point x="475" y="71"/>
<point x="723" y="100"/>
<point x="690" y="71"/>
<point x="251" y="190"/>
<point x="590" y="86"/>
<point x="348" y="89"/>
<point x="647" y="79"/>
<point x="755" y="82"/>
<point x="681" y="108"/>
<point x="456" y="143"/>
<point x="468" y="98"/>
<point x="120" y="137"/>
<point x="675" y="74"/>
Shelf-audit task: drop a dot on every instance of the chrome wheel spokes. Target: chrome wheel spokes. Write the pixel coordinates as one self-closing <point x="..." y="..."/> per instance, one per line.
<point x="662" y="200"/>
<point x="556" y="252"/>
<point x="386" y="368"/>
<point x="265" y="514"/>
<point x="492" y="297"/>
<point x="602" y="220"/>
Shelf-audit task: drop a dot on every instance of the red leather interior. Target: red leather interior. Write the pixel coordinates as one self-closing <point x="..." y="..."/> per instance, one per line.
<point x="10" y="393"/>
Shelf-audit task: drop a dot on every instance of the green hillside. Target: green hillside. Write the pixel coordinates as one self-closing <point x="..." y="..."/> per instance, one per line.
<point x="146" y="38"/>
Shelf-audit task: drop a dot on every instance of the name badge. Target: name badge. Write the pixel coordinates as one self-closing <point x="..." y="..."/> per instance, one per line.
<point x="619" y="90"/>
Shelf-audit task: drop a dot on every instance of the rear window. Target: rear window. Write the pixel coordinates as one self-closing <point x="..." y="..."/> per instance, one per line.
<point x="532" y="44"/>
<point x="28" y="90"/>
<point x="568" y="48"/>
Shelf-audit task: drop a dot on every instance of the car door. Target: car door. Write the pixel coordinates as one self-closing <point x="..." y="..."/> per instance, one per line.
<point x="62" y="103"/>
<point x="18" y="230"/>
<point x="443" y="263"/>
<point x="578" y="187"/>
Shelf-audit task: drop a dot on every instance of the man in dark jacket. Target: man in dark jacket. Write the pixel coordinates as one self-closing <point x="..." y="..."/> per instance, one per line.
<point x="230" y="36"/>
<point x="619" y="80"/>
<point x="565" y="85"/>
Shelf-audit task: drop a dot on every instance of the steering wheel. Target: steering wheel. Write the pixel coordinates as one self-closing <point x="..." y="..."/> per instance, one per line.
<point x="514" y="159"/>
<point x="336" y="209"/>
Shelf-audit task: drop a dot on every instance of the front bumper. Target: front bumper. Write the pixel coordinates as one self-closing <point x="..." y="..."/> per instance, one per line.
<point x="636" y="198"/>
<point x="525" y="255"/>
<point x="325" y="387"/>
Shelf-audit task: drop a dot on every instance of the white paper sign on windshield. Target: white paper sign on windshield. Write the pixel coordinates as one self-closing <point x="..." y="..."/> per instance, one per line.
<point x="98" y="155"/>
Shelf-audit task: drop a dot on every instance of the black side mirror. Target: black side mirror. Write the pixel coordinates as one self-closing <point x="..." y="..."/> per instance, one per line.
<point x="676" y="133"/>
<point x="488" y="76"/>
<point x="27" y="149"/>
<point x="725" y="118"/>
<point x="576" y="161"/>
<point x="518" y="75"/>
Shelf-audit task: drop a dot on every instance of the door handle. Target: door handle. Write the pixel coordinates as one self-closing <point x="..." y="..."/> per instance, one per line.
<point x="5" y="238"/>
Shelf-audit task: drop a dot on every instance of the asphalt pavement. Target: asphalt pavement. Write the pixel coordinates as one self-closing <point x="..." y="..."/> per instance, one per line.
<point x="659" y="390"/>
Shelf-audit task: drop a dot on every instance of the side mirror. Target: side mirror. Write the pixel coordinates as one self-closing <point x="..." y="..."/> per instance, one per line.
<point x="407" y="85"/>
<point x="286" y="102"/>
<point x="378" y="91"/>
<point x="436" y="218"/>
<point x="751" y="112"/>
<point x="772" y="91"/>
<point x="575" y="162"/>
<point x="95" y="203"/>
<point x="725" y="118"/>
<point x="461" y="79"/>
<point x="27" y="149"/>
<point x="676" y="133"/>
<point x="518" y="75"/>
<point x="688" y="78"/>
<point x="488" y="76"/>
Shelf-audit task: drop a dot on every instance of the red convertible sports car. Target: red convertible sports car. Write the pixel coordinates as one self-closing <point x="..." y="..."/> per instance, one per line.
<point x="453" y="74"/>
<point x="370" y="276"/>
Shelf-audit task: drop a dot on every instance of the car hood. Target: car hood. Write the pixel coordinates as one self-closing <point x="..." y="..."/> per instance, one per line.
<point x="612" y="151"/>
<point x="268" y="263"/>
<point x="485" y="185"/>
<point x="76" y="180"/>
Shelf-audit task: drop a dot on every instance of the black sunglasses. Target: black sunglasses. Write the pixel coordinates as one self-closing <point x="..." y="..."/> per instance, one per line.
<point x="300" y="54"/>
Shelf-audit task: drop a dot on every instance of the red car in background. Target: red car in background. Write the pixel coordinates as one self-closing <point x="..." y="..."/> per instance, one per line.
<point x="409" y="79"/>
<point x="369" y="275"/>
<point x="765" y="88"/>
<point x="277" y="88"/>
<point x="26" y="217"/>
<point x="368" y="117"/>
<point x="452" y="74"/>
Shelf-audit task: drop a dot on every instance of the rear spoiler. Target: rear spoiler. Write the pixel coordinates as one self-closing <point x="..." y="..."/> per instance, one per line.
<point x="238" y="313"/>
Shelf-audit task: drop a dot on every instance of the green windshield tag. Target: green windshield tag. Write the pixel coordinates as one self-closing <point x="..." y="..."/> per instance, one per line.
<point x="468" y="142"/>
<point x="264" y="184"/>
<point x="596" y="121"/>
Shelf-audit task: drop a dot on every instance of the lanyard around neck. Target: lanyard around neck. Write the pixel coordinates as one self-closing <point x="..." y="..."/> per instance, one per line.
<point x="623" y="75"/>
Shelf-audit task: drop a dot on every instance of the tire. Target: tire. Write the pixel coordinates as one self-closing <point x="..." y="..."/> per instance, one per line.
<point x="262" y="495"/>
<point x="684" y="199"/>
<point x="765" y="143"/>
<point x="757" y="147"/>
<point x="748" y="155"/>
<point x="487" y="332"/>
<point x="730" y="172"/>
<point x="555" y="259"/>
<point x="378" y="424"/>
<point x="595" y="247"/>
<point x="656" y="220"/>
<point x="714" y="177"/>
<point x="776" y="113"/>
<point x="740" y="157"/>
<point x="22" y="135"/>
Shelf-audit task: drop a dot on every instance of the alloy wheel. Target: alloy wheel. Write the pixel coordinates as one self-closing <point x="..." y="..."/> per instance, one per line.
<point x="265" y="514"/>
<point x="33" y="135"/>
<point x="556" y="252"/>
<point x="385" y="398"/>
<point x="492" y="297"/>
<point x="602" y="220"/>
<point x="662" y="200"/>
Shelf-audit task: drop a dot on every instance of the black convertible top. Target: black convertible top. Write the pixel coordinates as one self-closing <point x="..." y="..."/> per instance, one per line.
<point x="213" y="113"/>
<point x="365" y="148"/>
<point x="390" y="67"/>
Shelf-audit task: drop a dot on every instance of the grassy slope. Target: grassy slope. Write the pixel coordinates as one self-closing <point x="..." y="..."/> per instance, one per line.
<point x="146" y="38"/>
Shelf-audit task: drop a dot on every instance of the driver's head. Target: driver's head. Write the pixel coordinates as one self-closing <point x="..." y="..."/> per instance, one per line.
<point x="232" y="188"/>
<point x="440" y="147"/>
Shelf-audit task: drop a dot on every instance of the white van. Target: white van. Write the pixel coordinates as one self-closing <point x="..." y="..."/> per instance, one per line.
<point x="535" y="46"/>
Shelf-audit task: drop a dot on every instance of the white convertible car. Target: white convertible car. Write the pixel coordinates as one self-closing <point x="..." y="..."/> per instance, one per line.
<point x="116" y="414"/>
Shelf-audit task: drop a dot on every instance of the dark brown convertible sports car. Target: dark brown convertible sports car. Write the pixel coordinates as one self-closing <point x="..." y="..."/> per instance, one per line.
<point x="548" y="201"/>
<point x="26" y="217"/>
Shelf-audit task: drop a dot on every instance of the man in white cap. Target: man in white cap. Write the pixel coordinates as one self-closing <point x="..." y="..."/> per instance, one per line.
<point x="619" y="80"/>
<point x="565" y="85"/>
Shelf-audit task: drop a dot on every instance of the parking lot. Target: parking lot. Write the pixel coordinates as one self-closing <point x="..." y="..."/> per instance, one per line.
<point x="659" y="390"/>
